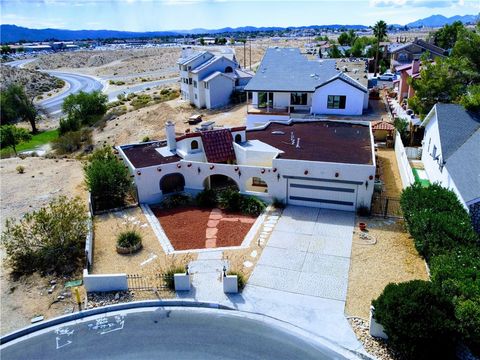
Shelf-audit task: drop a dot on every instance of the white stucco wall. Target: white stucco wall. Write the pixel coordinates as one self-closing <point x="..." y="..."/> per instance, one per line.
<point x="219" y="91"/>
<point x="281" y="99"/>
<point x="355" y="99"/>
<point x="432" y="168"/>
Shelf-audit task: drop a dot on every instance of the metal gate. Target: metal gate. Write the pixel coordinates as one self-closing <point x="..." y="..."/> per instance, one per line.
<point x="386" y="206"/>
<point x="148" y="282"/>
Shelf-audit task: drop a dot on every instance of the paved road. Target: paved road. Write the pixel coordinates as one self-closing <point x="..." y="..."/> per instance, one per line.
<point x="19" y="63"/>
<point x="164" y="333"/>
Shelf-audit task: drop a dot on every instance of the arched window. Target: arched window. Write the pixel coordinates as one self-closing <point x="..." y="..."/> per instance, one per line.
<point x="228" y="69"/>
<point x="194" y="145"/>
<point x="238" y="138"/>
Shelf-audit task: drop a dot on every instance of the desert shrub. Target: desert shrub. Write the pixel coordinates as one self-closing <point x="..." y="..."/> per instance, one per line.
<point x="50" y="239"/>
<point x="168" y="274"/>
<point x="145" y="139"/>
<point x="436" y="219"/>
<point x="113" y="104"/>
<point x="240" y="278"/>
<point x="68" y="125"/>
<point x="164" y="91"/>
<point x="72" y="141"/>
<point x="131" y="96"/>
<point x="129" y="238"/>
<point x="176" y="200"/>
<point x="20" y="169"/>
<point x="230" y="199"/>
<point x="418" y="319"/>
<point x="206" y="198"/>
<point x="251" y="205"/>
<point x="107" y="179"/>
<point x="59" y="83"/>
<point x="141" y="101"/>
<point x="121" y="97"/>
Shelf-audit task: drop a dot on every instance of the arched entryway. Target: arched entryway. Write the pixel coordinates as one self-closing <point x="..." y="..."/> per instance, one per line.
<point x="228" y="70"/>
<point x="256" y="184"/>
<point x="172" y="183"/>
<point x="220" y="182"/>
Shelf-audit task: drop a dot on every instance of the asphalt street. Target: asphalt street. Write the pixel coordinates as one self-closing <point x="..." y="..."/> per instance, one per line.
<point x="164" y="333"/>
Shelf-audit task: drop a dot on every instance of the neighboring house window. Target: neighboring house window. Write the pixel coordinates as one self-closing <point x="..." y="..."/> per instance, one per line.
<point x="189" y="68"/>
<point x="228" y="69"/>
<point x="194" y="145"/>
<point x="238" y="138"/>
<point x="336" y="101"/>
<point x="434" y="152"/>
<point x="256" y="181"/>
<point x="429" y="141"/>
<point x="265" y="99"/>
<point x="190" y="81"/>
<point x="180" y="67"/>
<point x="297" y="98"/>
<point x="196" y="97"/>
<point x="205" y="85"/>
<point x="194" y="83"/>
<point x="402" y="57"/>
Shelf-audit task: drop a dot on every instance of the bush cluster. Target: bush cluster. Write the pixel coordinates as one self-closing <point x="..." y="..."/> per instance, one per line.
<point x="72" y="141"/>
<point x="232" y="200"/>
<point x="129" y="239"/>
<point x="448" y="307"/>
<point x="176" y="200"/>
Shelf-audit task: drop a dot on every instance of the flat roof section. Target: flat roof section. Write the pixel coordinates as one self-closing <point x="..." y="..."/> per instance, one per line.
<point x="145" y="155"/>
<point x="327" y="141"/>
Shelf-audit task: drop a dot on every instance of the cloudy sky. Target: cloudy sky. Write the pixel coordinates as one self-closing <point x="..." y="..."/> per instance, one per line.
<point x="149" y="15"/>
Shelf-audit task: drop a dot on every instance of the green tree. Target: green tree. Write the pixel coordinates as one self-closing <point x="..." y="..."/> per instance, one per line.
<point x="107" y="179"/>
<point x="49" y="239"/>
<point x="202" y="41"/>
<point x="418" y="319"/>
<point x="11" y="136"/>
<point x="16" y="106"/>
<point x="380" y="31"/>
<point x="334" y="52"/>
<point x="344" y="39"/>
<point x="471" y="99"/>
<point x="446" y="37"/>
<point x="6" y="50"/>
<point x="85" y="108"/>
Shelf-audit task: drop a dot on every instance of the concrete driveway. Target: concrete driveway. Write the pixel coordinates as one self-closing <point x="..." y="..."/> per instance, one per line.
<point x="308" y="253"/>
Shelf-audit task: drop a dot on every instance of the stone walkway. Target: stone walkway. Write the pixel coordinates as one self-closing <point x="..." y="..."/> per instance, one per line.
<point x="214" y="219"/>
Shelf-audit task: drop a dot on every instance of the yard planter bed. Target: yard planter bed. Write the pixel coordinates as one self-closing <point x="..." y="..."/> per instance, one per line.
<point x="129" y="250"/>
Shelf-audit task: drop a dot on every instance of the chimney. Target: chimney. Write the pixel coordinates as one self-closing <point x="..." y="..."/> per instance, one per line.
<point x="170" y="131"/>
<point x="415" y="66"/>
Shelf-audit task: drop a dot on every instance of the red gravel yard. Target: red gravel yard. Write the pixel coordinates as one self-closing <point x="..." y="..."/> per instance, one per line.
<point x="193" y="228"/>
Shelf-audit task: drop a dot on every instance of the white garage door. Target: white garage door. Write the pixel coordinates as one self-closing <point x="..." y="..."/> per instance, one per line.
<point x="339" y="195"/>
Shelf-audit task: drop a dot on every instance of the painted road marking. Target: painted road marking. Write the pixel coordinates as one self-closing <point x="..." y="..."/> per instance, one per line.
<point x="61" y="340"/>
<point x="106" y="327"/>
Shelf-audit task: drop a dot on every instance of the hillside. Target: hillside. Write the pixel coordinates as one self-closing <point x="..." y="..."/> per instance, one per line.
<point x="440" y="20"/>
<point x="35" y="83"/>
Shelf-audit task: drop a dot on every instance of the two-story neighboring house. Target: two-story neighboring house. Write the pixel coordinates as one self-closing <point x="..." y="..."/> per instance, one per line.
<point x="208" y="80"/>
<point x="288" y="85"/>
<point x="408" y="74"/>
<point x="408" y="52"/>
<point x="451" y="154"/>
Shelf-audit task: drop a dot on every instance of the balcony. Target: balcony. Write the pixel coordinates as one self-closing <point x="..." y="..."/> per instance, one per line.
<point x="284" y="110"/>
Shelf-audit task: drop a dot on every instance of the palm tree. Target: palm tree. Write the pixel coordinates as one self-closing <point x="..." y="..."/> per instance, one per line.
<point x="380" y="31"/>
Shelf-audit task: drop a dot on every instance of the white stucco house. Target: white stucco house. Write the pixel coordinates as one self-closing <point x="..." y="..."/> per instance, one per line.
<point x="208" y="80"/>
<point x="288" y="85"/>
<point x="328" y="164"/>
<point x="451" y="154"/>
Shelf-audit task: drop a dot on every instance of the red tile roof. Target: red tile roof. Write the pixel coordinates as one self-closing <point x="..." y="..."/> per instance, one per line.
<point x="218" y="145"/>
<point x="382" y="125"/>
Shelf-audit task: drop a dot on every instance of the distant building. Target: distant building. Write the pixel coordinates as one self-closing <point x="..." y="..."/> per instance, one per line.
<point x="408" y="74"/>
<point x="208" y="80"/>
<point x="406" y="53"/>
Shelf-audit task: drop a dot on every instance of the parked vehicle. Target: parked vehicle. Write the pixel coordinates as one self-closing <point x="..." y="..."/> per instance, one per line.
<point x="387" y="77"/>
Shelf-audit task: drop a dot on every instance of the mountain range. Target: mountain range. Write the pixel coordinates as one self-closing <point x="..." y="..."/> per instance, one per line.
<point x="13" y="33"/>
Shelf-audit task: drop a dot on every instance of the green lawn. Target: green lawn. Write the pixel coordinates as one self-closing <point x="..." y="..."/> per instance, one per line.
<point x="36" y="141"/>
<point x="418" y="179"/>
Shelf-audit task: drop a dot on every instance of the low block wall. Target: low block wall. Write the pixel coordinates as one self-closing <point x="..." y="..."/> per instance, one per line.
<point x="404" y="168"/>
<point x="104" y="282"/>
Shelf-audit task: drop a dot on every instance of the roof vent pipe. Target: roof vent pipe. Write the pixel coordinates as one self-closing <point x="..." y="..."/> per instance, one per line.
<point x="292" y="138"/>
<point x="298" y="143"/>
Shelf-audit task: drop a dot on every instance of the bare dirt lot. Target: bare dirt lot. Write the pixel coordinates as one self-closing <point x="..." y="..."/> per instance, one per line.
<point x="43" y="180"/>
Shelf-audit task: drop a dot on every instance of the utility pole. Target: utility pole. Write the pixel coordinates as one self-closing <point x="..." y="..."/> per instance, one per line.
<point x="244" y="54"/>
<point x="250" y="54"/>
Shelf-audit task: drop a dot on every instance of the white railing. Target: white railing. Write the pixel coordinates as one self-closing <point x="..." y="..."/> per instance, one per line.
<point x="404" y="168"/>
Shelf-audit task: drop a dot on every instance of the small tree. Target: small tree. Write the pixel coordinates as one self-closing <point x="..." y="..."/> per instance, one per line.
<point x="107" y="179"/>
<point x="380" y="31"/>
<point x="85" y="108"/>
<point x="11" y="136"/>
<point x="16" y="106"/>
<point x="334" y="52"/>
<point x="50" y="239"/>
<point x="418" y="319"/>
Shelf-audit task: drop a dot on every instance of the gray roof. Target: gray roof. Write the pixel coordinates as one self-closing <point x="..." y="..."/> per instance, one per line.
<point x="215" y="74"/>
<point x="185" y="61"/>
<point x="421" y="43"/>
<point x="460" y="141"/>
<point x="286" y="69"/>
